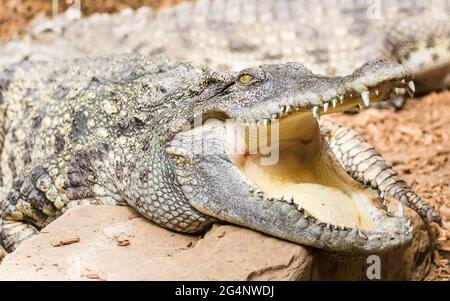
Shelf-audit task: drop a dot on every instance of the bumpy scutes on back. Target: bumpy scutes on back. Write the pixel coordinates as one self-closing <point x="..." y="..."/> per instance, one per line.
<point x="328" y="37"/>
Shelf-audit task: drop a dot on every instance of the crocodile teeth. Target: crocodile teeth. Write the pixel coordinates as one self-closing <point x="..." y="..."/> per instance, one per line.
<point x="366" y="98"/>
<point x="400" y="212"/>
<point x="290" y="200"/>
<point x="266" y="121"/>
<point x="377" y="92"/>
<point x="325" y="106"/>
<point x="362" y="235"/>
<point x="334" y="101"/>
<point x="410" y="93"/>
<point x="410" y="88"/>
<point x="382" y="194"/>
<point x="315" y="112"/>
<point x="275" y="116"/>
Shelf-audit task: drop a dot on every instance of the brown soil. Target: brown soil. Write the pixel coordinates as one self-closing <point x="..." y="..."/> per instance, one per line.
<point x="416" y="141"/>
<point x="16" y="14"/>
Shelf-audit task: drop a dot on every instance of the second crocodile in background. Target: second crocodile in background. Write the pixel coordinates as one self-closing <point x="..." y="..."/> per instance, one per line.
<point x="329" y="37"/>
<point x="119" y="130"/>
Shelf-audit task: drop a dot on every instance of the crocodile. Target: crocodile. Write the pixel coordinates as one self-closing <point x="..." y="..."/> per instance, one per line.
<point x="118" y="130"/>
<point x="329" y="37"/>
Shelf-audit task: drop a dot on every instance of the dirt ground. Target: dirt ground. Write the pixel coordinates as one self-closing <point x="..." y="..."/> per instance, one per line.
<point x="416" y="141"/>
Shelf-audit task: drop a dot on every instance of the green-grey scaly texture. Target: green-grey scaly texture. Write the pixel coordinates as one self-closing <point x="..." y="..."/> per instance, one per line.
<point x="91" y="132"/>
<point x="329" y="37"/>
<point x="99" y="131"/>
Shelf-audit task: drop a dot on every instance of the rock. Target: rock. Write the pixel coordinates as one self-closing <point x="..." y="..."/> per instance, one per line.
<point x="116" y="243"/>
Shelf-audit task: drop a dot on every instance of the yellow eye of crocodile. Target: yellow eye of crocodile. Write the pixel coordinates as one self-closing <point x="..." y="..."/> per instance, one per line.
<point x="245" y="79"/>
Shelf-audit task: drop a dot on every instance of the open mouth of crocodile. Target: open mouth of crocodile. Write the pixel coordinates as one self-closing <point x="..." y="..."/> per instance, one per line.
<point x="302" y="192"/>
<point x="304" y="171"/>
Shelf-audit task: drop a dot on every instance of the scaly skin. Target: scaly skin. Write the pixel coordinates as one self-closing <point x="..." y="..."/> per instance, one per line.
<point x="366" y="165"/>
<point x="328" y="37"/>
<point x="98" y="131"/>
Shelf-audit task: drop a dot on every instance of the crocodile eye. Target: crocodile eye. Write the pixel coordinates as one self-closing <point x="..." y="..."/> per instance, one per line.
<point x="245" y="79"/>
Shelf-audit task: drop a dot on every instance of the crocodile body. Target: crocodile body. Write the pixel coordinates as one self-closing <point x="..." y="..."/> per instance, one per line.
<point x="112" y="130"/>
<point x="329" y="37"/>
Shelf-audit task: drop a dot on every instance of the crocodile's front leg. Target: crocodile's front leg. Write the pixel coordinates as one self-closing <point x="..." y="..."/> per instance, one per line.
<point x="103" y="174"/>
<point x="44" y="192"/>
<point x="365" y="164"/>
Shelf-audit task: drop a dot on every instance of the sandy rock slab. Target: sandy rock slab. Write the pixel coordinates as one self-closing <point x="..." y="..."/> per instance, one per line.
<point x="116" y="243"/>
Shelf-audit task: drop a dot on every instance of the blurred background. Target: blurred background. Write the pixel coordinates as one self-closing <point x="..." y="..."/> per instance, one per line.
<point x="16" y="14"/>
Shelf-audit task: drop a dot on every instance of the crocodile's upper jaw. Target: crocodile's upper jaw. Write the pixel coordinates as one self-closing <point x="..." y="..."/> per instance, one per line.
<point x="304" y="190"/>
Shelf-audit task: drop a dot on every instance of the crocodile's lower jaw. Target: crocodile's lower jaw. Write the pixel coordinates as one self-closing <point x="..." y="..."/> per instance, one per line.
<point x="306" y="171"/>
